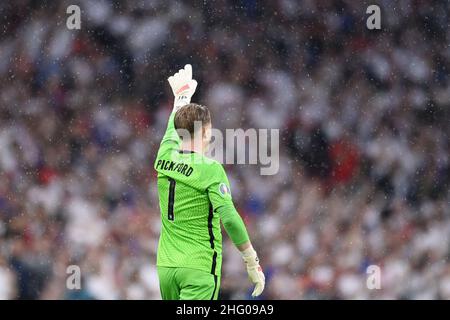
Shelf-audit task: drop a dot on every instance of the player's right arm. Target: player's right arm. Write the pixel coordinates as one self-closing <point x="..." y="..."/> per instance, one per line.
<point x="220" y="197"/>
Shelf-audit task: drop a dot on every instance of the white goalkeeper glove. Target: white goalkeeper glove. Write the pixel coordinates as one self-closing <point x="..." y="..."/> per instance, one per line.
<point x="254" y="270"/>
<point x="183" y="86"/>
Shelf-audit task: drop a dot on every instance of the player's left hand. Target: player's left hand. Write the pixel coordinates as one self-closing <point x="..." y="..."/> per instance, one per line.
<point x="256" y="275"/>
<point x="254" y="270"/>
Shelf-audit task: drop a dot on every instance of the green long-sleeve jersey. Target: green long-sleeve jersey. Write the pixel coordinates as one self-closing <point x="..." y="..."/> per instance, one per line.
<point x="194" y="195"/>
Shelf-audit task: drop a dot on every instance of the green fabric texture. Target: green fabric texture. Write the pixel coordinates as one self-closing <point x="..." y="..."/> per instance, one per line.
<point x="187" y="284"/>
<point x="233" y="224"/>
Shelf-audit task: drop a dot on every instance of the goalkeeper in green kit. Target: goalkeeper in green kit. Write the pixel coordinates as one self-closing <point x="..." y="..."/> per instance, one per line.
<point x="194" y="197"/>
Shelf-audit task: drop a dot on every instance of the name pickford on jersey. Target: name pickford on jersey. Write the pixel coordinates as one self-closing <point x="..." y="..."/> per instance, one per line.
<point x="179" y="167"/>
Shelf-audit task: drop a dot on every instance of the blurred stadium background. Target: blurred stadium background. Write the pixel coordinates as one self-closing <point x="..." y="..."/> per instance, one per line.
<point x="364" y="118"/>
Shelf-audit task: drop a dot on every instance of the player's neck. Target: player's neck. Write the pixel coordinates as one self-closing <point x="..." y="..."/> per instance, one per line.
<point x="192" y="145"/>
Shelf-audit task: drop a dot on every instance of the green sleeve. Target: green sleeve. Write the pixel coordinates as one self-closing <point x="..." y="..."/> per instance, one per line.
<point x="233" y="224"/>
<point x="222" y="202"/>
<point x="171" y="140"/>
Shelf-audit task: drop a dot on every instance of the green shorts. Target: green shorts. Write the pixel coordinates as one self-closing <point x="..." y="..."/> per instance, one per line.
<point x="187" y="284"/>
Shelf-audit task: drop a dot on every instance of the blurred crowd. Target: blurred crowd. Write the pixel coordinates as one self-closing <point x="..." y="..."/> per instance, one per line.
<point x="364" y="143"/>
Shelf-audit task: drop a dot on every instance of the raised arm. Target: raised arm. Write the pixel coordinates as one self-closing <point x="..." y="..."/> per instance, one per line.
<point x="183" y="88"/>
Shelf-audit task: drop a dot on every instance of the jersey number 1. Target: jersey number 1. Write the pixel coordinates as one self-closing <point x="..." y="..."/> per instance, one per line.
<point x="170" y="215"/>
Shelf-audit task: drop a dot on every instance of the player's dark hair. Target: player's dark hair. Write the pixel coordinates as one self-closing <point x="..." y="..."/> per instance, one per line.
<point x="186" y="117"/>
